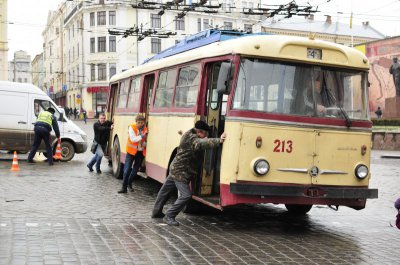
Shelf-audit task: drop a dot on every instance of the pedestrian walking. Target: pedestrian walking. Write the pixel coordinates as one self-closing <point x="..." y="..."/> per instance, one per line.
<point x="45" y="122"/>
<point x="183" y="169"/>
<point x="84" y="115"/>
<point x="102" y="130"/>
<point x="135" y="152"/>
<point x="75" y="113"/>
<point x="397" y="206"/>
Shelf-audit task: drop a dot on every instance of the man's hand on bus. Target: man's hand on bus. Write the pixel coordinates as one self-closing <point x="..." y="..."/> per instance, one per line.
<point x="320" y="109"/>
<point x="112" y="126"/>
<point x="222" y="138"/>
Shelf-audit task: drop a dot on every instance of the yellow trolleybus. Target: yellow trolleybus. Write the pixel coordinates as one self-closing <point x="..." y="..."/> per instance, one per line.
<point x="295" y="111"/>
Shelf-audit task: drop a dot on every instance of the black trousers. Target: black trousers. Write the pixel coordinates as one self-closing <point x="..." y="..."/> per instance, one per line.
<point x="41" y="133"/>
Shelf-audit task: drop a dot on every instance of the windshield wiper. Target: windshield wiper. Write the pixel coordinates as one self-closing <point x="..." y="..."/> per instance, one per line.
<point x="346" y="116"/>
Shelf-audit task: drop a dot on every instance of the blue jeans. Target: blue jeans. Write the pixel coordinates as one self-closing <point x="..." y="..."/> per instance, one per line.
<point x="136" y="160"/>
<point x="97" y="158"/>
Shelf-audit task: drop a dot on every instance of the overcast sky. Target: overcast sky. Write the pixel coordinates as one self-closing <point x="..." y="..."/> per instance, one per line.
<point x="27" y="18"/>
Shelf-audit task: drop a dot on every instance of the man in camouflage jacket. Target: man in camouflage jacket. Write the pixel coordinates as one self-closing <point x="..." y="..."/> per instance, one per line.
<point x="183" y="169"/>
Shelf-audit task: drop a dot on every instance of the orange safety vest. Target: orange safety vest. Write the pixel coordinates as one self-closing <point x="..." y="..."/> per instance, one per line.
<point x="131" y="147"/>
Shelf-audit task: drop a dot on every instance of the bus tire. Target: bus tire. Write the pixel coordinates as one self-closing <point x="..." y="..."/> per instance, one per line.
<point x="298" y="209"/>
<point x="117" y="166"/>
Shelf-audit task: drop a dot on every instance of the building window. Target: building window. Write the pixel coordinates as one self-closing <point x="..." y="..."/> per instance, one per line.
<point x="228" y="25"/>
<point x="248" y="28"/>
<point x="101" y="18"/>
<point x="206" y="23"/>
<point x="112" y="18"/>
<point x="155" y="45"/>
<point x="179" y="23"/>
<point x="101" y="44"/>
<point x="92" y="19"/>
<point x="77" y="49"/>
<point x="92" y="45"/>
<point x="113" y="69"/>
<point x="198" y="24"/>
<point x="101" y="71"/>
<point x="155" y="21"/>
<point x="77" y="74"/>
<point x="92" y="72"/>
<point x="112" y="45"/>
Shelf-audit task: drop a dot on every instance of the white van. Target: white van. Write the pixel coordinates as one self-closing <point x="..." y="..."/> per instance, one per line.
<point x="20" y="104"/>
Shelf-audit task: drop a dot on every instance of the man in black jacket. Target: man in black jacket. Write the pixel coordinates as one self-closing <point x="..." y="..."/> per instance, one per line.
<point x="102" y="130"/>
<point x="45" y="122"/>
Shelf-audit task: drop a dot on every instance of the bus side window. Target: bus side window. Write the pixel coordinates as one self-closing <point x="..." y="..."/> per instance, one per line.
<point x="165" y="86"/>
<point x="187" y="87"/>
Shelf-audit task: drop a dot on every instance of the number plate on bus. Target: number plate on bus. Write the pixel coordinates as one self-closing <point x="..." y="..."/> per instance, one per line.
<point x="314" y="53"/>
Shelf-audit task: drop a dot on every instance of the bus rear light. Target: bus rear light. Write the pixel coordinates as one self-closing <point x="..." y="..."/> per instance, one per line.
<point x="258" y="142"/>
<point x="361" y="171"/>
<point x="363" y="149"/>
<point x="261" y="167"/>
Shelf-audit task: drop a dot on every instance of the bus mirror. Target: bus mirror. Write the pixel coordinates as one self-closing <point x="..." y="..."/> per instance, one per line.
<point x="224" y="78"/>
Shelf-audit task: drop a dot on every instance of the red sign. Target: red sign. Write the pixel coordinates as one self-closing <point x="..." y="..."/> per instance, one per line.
<point x="98" y="89"/>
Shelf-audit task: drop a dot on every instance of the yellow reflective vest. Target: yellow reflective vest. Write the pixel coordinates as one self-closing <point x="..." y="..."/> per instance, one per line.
<point x="45" y="117"/>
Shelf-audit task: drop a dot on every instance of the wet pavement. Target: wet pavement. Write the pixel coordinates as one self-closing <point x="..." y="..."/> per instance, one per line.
<point x="67" y="215"/>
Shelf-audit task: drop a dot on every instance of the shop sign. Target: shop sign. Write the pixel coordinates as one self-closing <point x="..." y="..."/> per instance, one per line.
<point x="98" y="89"/>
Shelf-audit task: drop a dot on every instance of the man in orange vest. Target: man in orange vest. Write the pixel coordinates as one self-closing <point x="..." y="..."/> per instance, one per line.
<point x="135" y="152"/>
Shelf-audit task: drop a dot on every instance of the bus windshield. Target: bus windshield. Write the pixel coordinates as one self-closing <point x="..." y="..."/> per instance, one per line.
<point x="284" y="88"/>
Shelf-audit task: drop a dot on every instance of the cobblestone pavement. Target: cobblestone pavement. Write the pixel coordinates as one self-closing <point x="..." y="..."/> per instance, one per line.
<point x="67" y="215"/>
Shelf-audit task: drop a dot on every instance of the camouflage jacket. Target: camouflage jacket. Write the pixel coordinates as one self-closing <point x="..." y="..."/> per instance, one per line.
<point x="188" y="159"/>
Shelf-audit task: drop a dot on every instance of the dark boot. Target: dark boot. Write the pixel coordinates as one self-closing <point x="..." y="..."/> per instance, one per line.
<point x="170" y="221"/>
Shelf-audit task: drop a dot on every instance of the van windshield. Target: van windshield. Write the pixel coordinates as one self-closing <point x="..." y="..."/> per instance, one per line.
<point x="278" y="87"/>
<point x="41" y="104"/>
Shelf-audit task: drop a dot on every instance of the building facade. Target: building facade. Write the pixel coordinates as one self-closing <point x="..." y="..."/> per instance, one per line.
<point x="20" y="69"/>
<point x="38" y="71"/>
<point x="3" y="41"/>
<point x="80" y="55"/>
<point x="327" y="30"/>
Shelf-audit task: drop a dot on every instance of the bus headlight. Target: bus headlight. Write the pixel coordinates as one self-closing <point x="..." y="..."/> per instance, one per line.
<point x="261" y="167"/>
<point x="361" y="171"/>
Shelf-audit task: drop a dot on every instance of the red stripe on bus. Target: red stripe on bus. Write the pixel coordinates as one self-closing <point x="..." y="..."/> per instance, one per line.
<point x="156" y="172"/>
<point x="299" y="119"/>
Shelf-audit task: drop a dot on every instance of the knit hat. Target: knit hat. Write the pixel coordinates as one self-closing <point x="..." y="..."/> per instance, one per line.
<point x="397" y="204"/>
<point x="201" y="125"/>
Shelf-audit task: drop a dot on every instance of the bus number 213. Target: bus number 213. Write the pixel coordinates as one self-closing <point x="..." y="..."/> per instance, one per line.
<point x="283" y="146"/>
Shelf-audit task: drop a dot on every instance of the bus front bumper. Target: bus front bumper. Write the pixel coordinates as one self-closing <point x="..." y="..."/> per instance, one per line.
<point x="303" y="191"/>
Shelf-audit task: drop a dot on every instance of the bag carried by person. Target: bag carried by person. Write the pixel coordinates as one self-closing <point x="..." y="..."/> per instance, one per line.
<point x="93" y="147"/>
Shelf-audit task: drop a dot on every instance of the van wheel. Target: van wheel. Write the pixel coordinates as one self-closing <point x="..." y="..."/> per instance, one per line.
<point x="298" y="209"/>
<point x="67" y="151"/>
<point x="117" y="167"/>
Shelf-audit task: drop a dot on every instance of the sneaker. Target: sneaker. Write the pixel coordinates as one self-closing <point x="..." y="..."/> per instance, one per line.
<point x="122" y="191"/>
<point x="90" y="168"/>
<point x="98" y="171"/>
<point x="157" y="215"/>
<point x="31" y="162"/>
<point x="170" y="221"/>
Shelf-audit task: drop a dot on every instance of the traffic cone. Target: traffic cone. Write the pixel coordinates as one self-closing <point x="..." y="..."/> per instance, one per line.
<point x="58" y="150"/>
<point x="15" y="166"/>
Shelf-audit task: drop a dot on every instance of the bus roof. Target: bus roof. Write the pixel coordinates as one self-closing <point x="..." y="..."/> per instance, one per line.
<point x="20" y="87"/>
<point x="284" y="48"/>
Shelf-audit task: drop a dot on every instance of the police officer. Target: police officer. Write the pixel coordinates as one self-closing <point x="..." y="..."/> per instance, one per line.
<point x="46" y="121"/>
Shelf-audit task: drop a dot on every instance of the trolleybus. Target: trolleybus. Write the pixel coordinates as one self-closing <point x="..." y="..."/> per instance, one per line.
<point x="295" y="111"/>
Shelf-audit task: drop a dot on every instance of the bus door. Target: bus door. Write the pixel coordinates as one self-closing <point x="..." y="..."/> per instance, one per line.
<point x="148" y="84"/>
<point x="111" y="104"/>
<point x="214" y="115"/>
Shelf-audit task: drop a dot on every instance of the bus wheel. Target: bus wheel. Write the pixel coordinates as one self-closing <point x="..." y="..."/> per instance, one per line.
<point x="117" y="167"/>
<point x="298" y="209"/>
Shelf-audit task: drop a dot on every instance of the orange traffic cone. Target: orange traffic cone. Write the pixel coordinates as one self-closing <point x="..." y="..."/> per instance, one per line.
<point x="15" y="166"/>
<point x="58" y="150"/>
